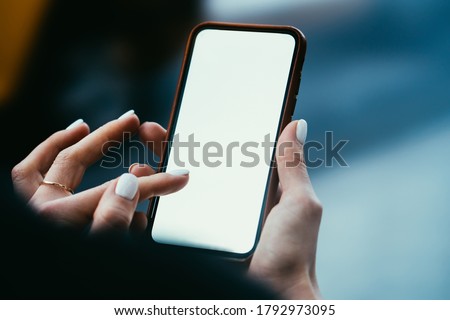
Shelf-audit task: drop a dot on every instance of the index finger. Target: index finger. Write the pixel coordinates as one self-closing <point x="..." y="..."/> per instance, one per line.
<point x="70" y="164"/>
<point x="28" y="173"/>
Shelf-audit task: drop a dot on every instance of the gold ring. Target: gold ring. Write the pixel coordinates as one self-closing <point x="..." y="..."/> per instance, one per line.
<point x="60" y="185"/>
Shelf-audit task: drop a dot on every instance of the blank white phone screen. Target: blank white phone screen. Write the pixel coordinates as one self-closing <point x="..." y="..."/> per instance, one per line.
<point x="227" y="122"/>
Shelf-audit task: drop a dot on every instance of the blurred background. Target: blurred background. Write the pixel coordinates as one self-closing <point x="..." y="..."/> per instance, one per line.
<point x="376" y="73"/>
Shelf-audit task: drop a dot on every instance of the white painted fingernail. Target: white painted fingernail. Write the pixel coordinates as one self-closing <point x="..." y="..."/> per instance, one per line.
<point x="179" y="172"/>
<point x="126" y="114"/>
<point x="74" y="124"/>
<point x="302" y="130"/>
<point x="127" y="186"/>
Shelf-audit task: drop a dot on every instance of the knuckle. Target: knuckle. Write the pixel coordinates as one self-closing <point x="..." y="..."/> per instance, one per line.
<point x="18" y="173"/>
<point x="309" y="204"/>
<point x="46" y="210"/>
<point x="314" y="205"/>
<point x="66" y="157"/>
<point x="54" y="213"/>
<point x="290" y="156"/>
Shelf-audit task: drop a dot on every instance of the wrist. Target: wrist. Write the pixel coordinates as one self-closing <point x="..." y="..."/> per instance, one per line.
<point x="304" y="288"/>
<point x="292" y="285"/>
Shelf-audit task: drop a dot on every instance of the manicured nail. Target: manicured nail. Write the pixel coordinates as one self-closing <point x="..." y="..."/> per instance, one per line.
<point x="74" y="124"/>
<point x="126" y="114"/>
<point x="127" y="186"/>
<point x="179" y="172"/>
<point x="302" y="130"/>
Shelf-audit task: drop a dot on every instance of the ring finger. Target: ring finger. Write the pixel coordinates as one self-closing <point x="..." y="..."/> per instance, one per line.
<point x="71" y="163"/>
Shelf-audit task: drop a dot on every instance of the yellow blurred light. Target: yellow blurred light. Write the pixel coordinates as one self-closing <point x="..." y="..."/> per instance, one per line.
<point x="19" y="20"/>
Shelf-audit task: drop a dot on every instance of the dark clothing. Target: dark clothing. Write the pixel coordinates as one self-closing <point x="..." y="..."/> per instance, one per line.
<point x="40" y="261"/>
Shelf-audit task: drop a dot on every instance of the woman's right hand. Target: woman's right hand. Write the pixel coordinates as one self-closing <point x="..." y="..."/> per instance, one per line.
<point x="44" y="178"/>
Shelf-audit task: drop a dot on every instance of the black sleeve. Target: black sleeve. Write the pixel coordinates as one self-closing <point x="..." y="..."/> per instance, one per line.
<point x="39" y="261"/>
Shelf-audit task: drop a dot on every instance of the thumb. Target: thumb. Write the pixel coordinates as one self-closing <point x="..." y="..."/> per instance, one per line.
<point x="291" y="166"/>
<point x="116" y="208"/>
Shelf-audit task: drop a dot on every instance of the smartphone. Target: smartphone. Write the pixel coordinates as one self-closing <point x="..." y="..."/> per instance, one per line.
<point x="237" y="90"/>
